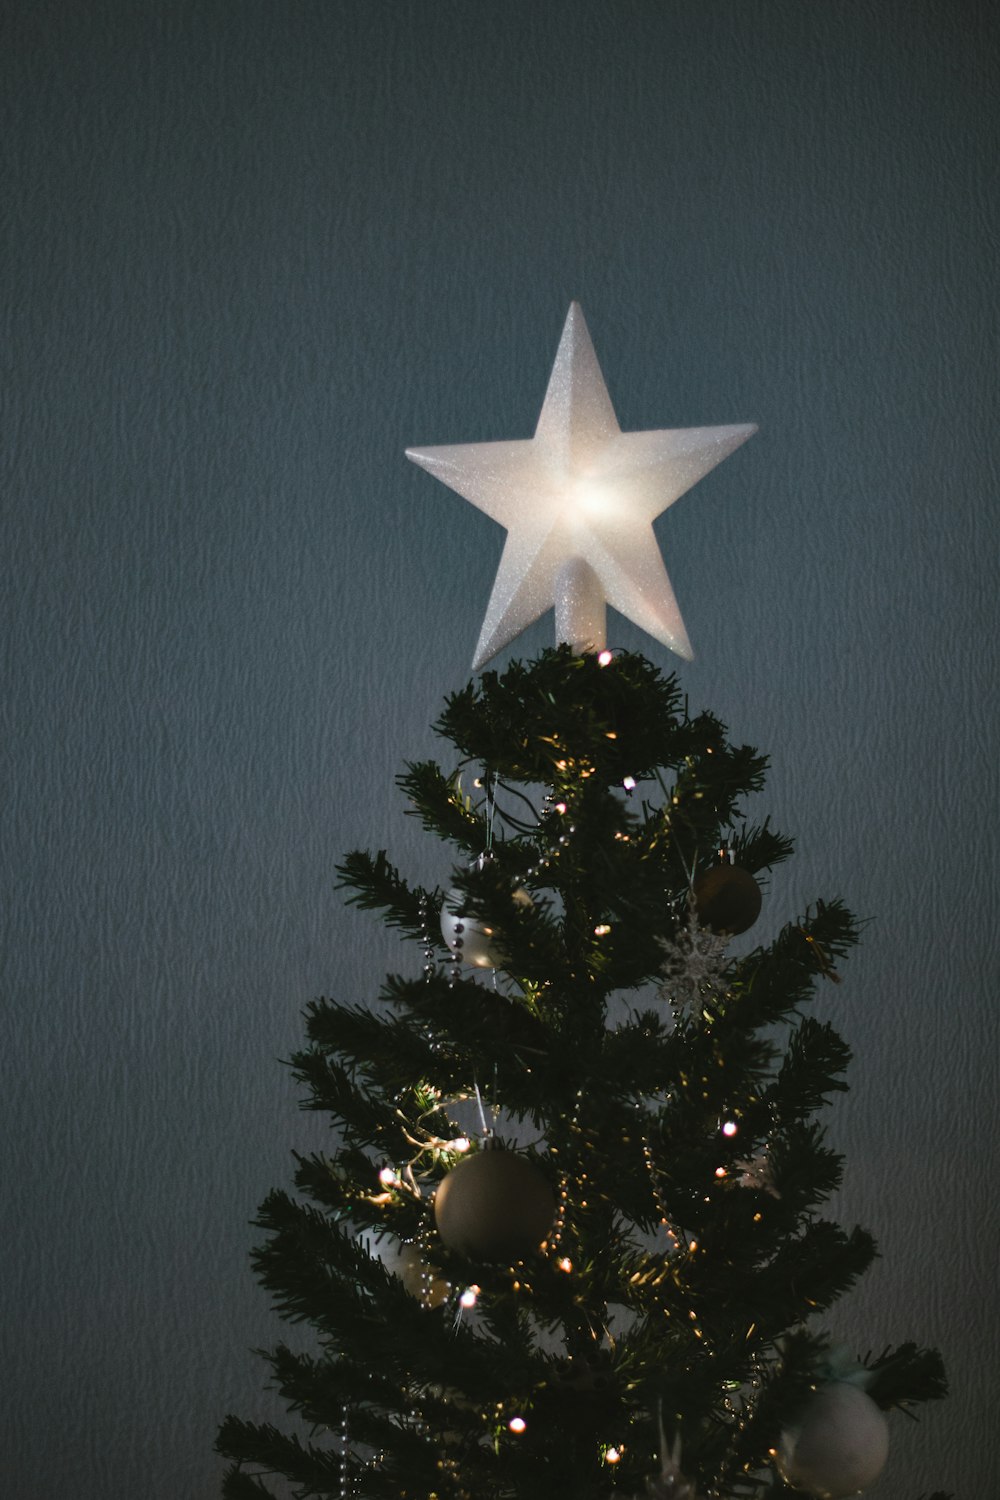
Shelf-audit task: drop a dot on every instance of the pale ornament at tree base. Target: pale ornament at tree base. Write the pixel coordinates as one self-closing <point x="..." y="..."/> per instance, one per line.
<point x="839" y="1445"/>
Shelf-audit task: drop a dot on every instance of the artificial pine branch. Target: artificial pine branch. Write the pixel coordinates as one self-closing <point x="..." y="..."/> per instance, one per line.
<point x="811" y="1071"/>
<point x="317" y="1470"/>
<point x="804" y="1170"/>
<point x="761" y="848"/>
<point x="686" y="1262"/>
<point x="374" y="885"/>
<point x="365" y="1120"/>
<point x="905" y="1375"/>
<point x="813" y="1269"/>
<point x="237" y="1484"/>
<point x="773" y="982"/>
<point x="441" y="808"/>
<point x="385" y="1053"/>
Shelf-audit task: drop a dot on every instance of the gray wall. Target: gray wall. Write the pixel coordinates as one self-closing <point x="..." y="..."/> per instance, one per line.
<point x="253" y="250"/>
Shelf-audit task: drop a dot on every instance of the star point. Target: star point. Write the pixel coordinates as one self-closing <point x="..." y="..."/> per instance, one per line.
<point x="578" y="501"/>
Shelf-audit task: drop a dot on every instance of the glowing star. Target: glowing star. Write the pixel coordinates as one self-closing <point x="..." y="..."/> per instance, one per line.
<point x="579" y="500"/>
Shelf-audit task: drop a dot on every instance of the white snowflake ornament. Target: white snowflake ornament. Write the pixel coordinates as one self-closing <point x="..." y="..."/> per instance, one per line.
<point x="693" y="963"/>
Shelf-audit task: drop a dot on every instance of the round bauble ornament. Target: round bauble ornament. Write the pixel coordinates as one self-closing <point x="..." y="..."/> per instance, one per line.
<point x="727" y="899"/>
<point x="420" y="1279"/>
<point x="473" y="942"/>
<point x="494" y="1206"/>
<point x="838" y="1446"/>
<point x="469" y="939"/>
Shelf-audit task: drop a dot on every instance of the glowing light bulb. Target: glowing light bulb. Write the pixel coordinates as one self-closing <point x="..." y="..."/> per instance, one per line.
<point x="470" y="1296"/>
<point x="461" y="1143"/>
<point x="729" y="1128"/>
<point x="612" y="1456"/>
<point x="565" y="1264"/>
<point x="560" y="807"/>
<point x="602" y="929"/>
<point x="388" y="1177"/>
<point x="604" y="659"/>
<point x="720" y="1171"/>
<point x="629" y="783"/>
<point x="517" y="1424"/>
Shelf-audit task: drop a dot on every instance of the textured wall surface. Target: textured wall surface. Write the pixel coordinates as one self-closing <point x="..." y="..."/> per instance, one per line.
<point x="251" y="252"/>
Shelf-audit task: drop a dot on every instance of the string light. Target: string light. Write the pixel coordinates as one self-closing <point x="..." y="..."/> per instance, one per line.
<point x="555" y="1235"/>
<point x="604" y="659"/>
<point x="344" y="1450"/>
<point x="729" y="1127"/>
<point x="470" y="1296"/>
<point x="647" y="1152"/>
<point x="389" y="1177"/>
<point x="517" y="1424"/>
<point x="612" y="1455"/>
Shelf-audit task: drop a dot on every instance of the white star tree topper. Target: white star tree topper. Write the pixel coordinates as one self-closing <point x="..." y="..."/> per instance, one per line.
<point x="579" y="500"/>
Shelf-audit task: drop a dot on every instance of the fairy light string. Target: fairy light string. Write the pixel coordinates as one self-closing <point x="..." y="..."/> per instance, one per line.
<point x="346" y="1488"/>
<point x="554" y="1239"/>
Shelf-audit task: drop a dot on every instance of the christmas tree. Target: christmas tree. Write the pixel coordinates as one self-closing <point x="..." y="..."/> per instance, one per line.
<point x="570" y="1236"/>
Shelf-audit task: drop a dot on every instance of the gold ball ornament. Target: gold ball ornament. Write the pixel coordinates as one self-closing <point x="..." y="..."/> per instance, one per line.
<point x="494" y="1206"/>
<point x="420" y="1279"/>
<point x="727" y="899"/>
<point x="838" y="1446"/>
